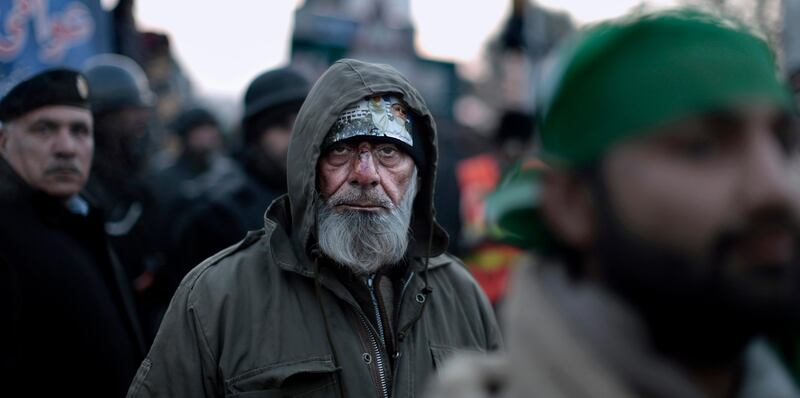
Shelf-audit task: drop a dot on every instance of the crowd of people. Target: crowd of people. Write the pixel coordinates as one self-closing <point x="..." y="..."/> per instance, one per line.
<point x="646" y="219"/>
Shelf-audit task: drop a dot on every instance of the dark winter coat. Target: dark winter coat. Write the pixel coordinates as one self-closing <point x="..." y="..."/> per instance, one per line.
<point x="68" y="322"/>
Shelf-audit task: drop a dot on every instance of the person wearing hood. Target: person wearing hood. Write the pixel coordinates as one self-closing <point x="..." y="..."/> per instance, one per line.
<point x="347" y="291"/>
<point x="666" y="223"/>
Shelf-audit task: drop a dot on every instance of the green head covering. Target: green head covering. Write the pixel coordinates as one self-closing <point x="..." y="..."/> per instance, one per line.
<point x="511" y="212"/>
<point x="624" y="78"/>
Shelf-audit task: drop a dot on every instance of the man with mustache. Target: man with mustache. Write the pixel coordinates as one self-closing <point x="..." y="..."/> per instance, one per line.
<point x="67" y="312"/>
<point x="347" y="291"/>
<point x="667" y="223"/>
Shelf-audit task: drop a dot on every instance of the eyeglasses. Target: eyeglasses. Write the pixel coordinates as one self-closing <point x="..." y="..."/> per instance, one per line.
<point x="386" y="154"/>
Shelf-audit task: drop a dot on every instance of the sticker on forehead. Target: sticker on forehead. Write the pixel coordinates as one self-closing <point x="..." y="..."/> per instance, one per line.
<point x="378" y="116"/>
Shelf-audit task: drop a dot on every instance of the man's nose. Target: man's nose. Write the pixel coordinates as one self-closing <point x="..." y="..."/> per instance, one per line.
<point x="766" y="176"/>
<point x="65" y="145"/>
<point x="365" y="172"/>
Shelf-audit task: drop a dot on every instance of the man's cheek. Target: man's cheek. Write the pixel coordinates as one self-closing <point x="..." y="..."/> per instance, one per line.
<point x="678" y="217"/>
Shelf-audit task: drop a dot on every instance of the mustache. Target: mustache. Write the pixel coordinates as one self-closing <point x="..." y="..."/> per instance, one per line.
<point x="61" y="167"/>
<point x="766" y="221"/>
<point x="362" y="197"/>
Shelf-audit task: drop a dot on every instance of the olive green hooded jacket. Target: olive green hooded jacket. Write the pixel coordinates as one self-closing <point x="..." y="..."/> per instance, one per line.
<point x="263" y="319"/>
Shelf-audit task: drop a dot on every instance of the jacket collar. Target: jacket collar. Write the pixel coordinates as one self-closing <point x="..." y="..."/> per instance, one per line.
<point x="598" y="337"/>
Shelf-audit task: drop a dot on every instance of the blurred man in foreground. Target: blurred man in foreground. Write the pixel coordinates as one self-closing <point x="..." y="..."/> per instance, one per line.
<point x="667" y="227"/>
<point x="71" y="324"/>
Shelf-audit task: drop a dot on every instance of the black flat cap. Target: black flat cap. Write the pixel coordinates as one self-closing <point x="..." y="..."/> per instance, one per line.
<point x="59" y="86"/>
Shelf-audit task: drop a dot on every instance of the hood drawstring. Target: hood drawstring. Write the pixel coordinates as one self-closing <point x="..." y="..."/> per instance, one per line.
<point x="422" y="296"/>
<point x="318" y="291"/>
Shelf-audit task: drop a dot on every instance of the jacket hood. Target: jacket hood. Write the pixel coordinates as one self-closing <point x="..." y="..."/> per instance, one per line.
<point x="345" y="82"/>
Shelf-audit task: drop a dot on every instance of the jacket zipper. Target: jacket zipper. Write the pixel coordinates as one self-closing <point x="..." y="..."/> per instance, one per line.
<point x="376" y="306"/>
<point x="384" y="385"/>
<point x="379" y="360"/>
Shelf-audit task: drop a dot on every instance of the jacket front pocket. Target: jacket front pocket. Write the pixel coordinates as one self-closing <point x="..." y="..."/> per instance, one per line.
<point x="307" y="378"/>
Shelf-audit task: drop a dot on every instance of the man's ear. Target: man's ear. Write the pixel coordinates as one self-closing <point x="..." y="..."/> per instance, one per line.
<point x="568" y="208"/>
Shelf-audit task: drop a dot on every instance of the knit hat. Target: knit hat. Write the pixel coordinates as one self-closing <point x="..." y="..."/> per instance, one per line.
<point x="270" y="97"/>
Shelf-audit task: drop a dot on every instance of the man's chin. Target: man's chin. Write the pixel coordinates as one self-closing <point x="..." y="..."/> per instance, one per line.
<point x="766" y="296"/>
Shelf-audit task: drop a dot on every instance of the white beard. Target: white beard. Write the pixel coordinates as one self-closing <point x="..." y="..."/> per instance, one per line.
<point x="362" y="241"/>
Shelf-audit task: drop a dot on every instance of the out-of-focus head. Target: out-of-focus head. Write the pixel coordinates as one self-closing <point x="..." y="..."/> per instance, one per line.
<point x="199" y="131"/>
<point x="122" y="104"/>
<point x="514" y="135"/>
<point x="46" y="132"/>
<point x="671" y="143"/>
<point x="271" y="103"/>
<point x="367" y="175"/>
<point x="117" y="82"/>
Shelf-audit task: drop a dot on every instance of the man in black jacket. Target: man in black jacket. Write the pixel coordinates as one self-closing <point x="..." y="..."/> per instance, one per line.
<point x="72" y="326"/>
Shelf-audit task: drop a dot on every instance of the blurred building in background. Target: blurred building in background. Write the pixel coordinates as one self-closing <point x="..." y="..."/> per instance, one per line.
<point x="374" y="31"/>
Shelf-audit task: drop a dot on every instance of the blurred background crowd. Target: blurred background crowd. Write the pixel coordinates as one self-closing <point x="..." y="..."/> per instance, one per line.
<point x="192" y="130"/>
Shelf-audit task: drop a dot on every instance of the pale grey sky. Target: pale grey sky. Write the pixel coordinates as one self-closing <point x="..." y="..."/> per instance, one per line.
<point x="223" y="45"/>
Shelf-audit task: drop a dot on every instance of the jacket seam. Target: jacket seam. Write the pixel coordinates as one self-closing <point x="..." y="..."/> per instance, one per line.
<point x="360" y="77"/>
<point x="192" y="305"/>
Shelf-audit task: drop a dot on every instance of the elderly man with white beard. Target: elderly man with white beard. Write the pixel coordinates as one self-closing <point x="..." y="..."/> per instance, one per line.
<point x="347" y="291"/>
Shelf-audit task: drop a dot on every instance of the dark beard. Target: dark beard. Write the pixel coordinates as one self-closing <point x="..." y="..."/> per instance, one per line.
<point x="698" y="310"/>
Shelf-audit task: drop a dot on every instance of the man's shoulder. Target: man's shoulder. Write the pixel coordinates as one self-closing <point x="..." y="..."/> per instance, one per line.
<point x="244" y="262"/>
<point x="452" y="268"/>
<point x="233" y="259"/>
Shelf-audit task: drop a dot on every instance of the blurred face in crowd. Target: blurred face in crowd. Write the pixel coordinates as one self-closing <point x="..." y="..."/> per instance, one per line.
<point x="50" y="148"/>
<point x="710" y="176"/>
<point x="204" y="140"/>
<point x="367" y="190"/>
<point x="123" y="136"/>
<point x="274" y="139"/>
<point x="700" y="212"/>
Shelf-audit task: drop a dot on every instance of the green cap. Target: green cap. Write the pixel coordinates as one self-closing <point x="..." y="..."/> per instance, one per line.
<point x="624" y="78"/>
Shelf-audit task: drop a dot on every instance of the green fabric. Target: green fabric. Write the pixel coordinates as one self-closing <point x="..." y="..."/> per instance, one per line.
<point x="512" y="214"/>
<point x="626" y="77"/>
